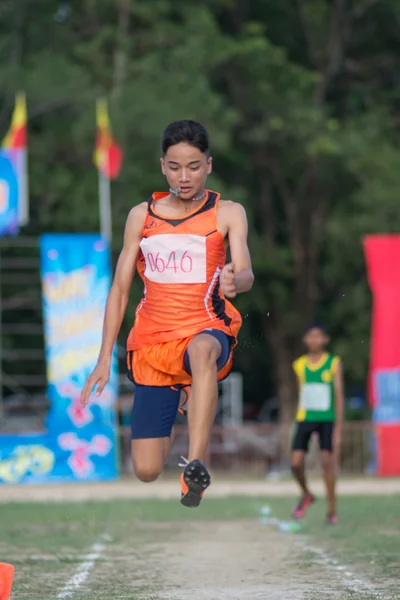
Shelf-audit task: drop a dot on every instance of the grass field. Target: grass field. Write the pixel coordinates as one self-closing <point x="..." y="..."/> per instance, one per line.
<point x="148" y="549"/>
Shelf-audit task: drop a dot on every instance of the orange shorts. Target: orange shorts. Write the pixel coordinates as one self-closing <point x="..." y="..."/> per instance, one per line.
<point x="168" y="364"/>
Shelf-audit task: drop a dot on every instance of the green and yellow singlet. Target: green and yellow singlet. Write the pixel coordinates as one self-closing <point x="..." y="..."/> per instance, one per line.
<point x="317" y="396"/>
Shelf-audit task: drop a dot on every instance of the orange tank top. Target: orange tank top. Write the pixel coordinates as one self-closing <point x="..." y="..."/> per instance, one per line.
<point x="179" y="261"/>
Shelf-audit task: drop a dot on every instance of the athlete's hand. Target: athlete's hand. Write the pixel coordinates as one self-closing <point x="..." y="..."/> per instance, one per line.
<point x="227" y="281"/>
<point x="99" y="376"/>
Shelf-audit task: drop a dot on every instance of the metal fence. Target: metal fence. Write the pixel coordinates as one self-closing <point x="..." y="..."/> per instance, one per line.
<point x="22" y="355"/>
<point x="260" y="450"/>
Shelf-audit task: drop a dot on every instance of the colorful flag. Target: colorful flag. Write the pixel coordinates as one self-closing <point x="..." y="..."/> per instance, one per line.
<point x="107" y="154"/>
<point x="9" y="193"/>
<point x="13" y="172"/>
<point x="16" y="138"/>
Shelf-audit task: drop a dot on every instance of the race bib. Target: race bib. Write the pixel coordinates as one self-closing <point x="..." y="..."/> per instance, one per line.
<point x="175" y="258"/>
<point x="315" y="396"/>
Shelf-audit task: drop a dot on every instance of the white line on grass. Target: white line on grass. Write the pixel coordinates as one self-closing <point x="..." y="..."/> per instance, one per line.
<point x="83" y="570"/>
<point x="353" y="583"/>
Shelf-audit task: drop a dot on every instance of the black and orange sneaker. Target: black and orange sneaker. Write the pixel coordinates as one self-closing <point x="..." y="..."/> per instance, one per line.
<point x="184" y="399"/>
<point x="195" y="479"/>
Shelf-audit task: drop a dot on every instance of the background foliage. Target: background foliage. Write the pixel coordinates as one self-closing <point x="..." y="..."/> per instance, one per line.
<point x="301" y="99"/>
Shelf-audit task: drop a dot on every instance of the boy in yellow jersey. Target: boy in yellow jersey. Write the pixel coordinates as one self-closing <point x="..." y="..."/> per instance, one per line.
<point x="320" y="411"/>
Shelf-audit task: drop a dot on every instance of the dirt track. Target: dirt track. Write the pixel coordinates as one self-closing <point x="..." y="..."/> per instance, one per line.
<point x="209" y="560"/>
<point x="237" y="560"/>
<point x="229" y="560"/>
<point x="169" y="488"/>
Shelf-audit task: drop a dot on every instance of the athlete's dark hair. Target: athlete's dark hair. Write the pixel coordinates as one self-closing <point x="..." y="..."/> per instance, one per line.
<point x="187" y="131"/>
<point x="316" y="325"/>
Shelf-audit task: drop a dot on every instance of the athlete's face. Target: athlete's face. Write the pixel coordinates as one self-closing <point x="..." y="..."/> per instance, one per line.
<point x="315" y="340"/>
<point x="187" y="168"/>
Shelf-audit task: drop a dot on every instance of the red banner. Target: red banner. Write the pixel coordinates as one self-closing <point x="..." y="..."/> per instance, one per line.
<point x="382" y="253"/>
<point x="387" y="450"/>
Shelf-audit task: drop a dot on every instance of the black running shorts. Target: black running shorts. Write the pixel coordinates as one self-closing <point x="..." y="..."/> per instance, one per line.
<point x="305" y="429"/>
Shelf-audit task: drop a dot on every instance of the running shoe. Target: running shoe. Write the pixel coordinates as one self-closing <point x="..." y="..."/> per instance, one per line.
<point x="332" y="519"/>
<point x="195" y="479"/>
<point x="301" y="508"/>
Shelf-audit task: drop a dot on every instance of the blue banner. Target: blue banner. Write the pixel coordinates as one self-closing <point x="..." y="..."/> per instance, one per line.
<point x="9" y="192"/>
<point x="387" y="395"/>
<point x="55" y="456"/>
<point x="80" y="444"/>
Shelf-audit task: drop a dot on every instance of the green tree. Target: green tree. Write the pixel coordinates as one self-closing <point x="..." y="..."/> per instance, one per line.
<point x="306" y="83"/>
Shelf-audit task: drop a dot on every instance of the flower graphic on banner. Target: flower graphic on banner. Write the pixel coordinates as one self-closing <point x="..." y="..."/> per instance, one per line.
<point x="81" y="451"/>
<point x="33" y="459"/>
<point x="78" y="415"/>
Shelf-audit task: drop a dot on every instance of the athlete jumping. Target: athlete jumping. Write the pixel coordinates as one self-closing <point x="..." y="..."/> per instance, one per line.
<point x="185" y="329"/>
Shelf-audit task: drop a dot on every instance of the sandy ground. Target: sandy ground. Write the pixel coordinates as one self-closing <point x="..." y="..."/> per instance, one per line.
<point x="130" y="488"/>
<point x="211" y="560"/>
<point x="222" y="560"/>
<point x="237" y="560"/>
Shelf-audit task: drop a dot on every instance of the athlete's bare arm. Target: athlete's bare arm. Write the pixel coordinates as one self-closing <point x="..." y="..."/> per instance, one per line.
<point x="237" y="276"/>
<point x="117" y="300"/>
<point x="339" y="391"/>
<point x="339" y="403"/>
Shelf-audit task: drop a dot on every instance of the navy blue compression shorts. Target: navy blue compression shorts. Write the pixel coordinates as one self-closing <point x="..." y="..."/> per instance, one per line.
<point x="155" y="407"/>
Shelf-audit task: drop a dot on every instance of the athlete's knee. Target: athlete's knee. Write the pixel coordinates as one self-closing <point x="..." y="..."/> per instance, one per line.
<point x="146" y="472"/>
<point x="297" y="460"/>
<point x="204" y="351"/>
<point x="148" y="458"/>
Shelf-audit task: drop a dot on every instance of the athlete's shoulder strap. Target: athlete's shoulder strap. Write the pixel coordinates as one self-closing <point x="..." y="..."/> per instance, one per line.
<point x="214" y="197"/>
<point x="211" y="202"/>
<point x="153" y="198"/>
<point x="299" y="365"/>
<point x="335" y="360"/>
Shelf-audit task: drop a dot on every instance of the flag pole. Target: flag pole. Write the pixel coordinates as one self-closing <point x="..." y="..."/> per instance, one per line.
<point x="105" y="206"/>
<point x="107" y="157"/>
